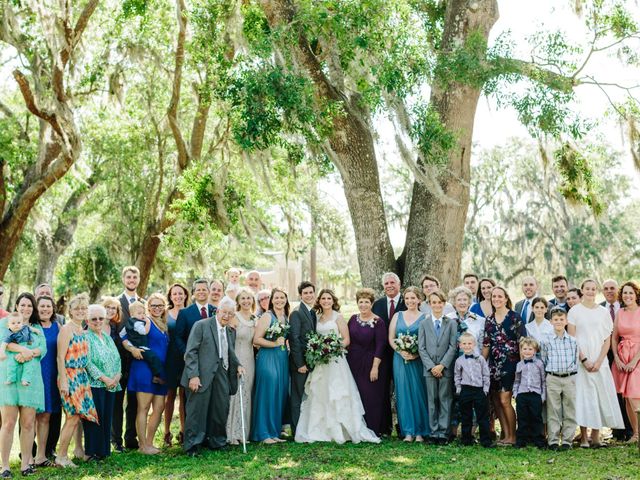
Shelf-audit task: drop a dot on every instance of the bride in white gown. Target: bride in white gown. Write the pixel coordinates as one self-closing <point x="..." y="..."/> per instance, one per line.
<point x="331" y="409"/>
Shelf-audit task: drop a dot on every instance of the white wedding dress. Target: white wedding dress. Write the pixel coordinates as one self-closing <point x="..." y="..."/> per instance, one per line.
<point x="331" y="409"/>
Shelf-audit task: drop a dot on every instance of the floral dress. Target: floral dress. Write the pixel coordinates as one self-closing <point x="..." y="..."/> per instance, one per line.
<point x="504" y="353"/>
<point x="79" y="400"/>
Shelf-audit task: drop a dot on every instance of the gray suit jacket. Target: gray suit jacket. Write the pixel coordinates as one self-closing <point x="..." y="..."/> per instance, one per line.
<point x="520" y="305"/>
<point x="434" y="351"/>
<point x="202" y="358"/>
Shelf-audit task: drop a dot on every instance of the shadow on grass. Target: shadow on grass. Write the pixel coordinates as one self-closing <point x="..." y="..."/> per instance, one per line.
<point x="391" y="459"/>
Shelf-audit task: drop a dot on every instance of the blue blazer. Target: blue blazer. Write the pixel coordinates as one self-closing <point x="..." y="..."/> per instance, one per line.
<point x="187" y="318"/>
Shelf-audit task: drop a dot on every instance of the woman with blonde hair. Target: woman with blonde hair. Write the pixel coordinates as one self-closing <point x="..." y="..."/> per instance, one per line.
<point x="149" y="394"/>
<point x="73" y="378"/>
<point x="244" y="325"/>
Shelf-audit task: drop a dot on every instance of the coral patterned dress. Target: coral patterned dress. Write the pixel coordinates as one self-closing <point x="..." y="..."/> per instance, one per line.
<point x="79" y="400"/>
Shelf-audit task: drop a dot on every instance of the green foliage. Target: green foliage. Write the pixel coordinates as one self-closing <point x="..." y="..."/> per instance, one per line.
<point x="579" y="182"/>
<point x="465" y="64"/>
<point x="255" y="28"/>
<point x="433" y="138"/>
<point x="90" y="269"/>
<point x="268" y="102"/>
<point x="518" y="198"/>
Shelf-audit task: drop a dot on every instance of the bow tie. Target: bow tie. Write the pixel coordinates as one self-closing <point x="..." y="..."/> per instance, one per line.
<point x="469" y="356"/>
<point x="528" y="360"/>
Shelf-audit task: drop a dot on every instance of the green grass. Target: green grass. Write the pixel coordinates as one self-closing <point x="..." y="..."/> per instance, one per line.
<point x="391" y="459"/>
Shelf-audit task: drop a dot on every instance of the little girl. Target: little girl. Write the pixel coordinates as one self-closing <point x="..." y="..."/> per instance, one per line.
<point x="233" y="282"/>
<point x="539" y="328"/>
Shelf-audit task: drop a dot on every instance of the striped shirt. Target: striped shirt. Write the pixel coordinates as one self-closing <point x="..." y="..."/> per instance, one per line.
<point x="560" y="354"/>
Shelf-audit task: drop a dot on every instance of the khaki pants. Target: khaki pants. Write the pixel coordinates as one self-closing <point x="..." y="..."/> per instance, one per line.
<point x="561" y="409"/>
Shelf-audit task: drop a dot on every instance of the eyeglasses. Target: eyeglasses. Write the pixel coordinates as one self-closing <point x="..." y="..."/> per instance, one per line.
<point x="263" y="298"/>
<point x="111" y="308"/>
<point x="156" y="306"/>
<point x="97" y="319"/>
<point x="225" y="314"/>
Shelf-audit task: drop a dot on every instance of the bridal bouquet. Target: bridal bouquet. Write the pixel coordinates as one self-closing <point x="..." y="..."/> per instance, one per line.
<point x="407" y="343"/>
<point x="321" y="349"/>
<point x="276" y="331"/>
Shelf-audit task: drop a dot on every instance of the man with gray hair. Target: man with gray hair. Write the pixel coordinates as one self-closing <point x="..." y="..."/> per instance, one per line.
<point x="210" y="377"/>
<point x="253" y="281"/>
<point x="385" y="307"/>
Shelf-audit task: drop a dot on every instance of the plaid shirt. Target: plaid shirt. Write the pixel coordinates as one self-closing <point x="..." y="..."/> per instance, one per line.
<point x="560" y="354"/>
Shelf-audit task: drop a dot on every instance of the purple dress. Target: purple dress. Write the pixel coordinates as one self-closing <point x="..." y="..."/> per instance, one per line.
<point x="140" y="376"/>
<point x="369" y="340"/>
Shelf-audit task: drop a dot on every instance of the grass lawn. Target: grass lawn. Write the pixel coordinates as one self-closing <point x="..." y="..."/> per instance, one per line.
<point x="391" y="459"/>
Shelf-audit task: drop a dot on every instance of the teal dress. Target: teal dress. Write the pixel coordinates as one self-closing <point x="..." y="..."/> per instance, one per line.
<point x="271" y="391"/>
<point x="16" y="394"/>
<point x="410" y="389"/>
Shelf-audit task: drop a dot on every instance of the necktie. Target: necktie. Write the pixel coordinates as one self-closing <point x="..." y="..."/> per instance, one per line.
<point x="224" y="348"/>
<point x="612" y="311"/>
<point x="528" y="360"/>
<point x="203" y="312"/>
<point x="438" y="328"/>
<point x="392" y="309"/>
<point x="525" y="311"/>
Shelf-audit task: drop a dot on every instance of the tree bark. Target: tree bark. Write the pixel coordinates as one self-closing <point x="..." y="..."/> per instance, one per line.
<point x="351" y="149"/>
<point x="50" y="249"/>
<point x="435" y="231"/>
<point x="59" y="141"/>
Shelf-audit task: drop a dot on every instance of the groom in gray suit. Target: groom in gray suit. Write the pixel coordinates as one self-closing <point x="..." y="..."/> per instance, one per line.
<point x="302" y="321"/>
<point x="437" y="347"/>
<point x="210" y="377"/>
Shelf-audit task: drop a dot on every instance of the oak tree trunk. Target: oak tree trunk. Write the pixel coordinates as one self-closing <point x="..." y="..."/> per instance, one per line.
<point x="435" y="230"/>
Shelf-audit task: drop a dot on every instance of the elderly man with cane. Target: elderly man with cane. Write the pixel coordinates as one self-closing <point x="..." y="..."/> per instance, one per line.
<point x="210" y="377"/>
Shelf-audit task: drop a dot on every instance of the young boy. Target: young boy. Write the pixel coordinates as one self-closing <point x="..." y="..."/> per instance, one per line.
<point x="529" y="392"/>
<point x="136" y="334"/>
<point x="560" y="357"/>
<point x="437" y="349"/>
<point x="471" y="377"/>
<point x="21" y="334"/>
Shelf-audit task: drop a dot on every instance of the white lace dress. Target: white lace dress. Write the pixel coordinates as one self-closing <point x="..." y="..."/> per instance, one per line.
<point x="331" y="409"/>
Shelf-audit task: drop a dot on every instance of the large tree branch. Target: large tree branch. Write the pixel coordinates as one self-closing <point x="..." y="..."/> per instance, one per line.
<point x="280" y="13"/>
<point x="536" y="73"/>
<point x="30" y="102"/>
<point x="172" y="112"/>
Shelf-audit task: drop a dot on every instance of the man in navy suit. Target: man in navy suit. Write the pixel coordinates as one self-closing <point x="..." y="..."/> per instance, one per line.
<point x="385" y="307"/>
<point x="130" y="280"/>
<point x="198" y="310"/>
<point x="524" y="307"/>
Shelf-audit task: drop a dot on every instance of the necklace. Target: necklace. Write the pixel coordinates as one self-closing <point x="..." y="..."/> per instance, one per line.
<point x="366" y="323"/>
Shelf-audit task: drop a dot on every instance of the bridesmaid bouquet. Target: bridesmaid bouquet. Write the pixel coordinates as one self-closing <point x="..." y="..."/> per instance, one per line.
<point x="407" y="343"/>
<point x="276" y="331"/>
<point x="321" y="349"/>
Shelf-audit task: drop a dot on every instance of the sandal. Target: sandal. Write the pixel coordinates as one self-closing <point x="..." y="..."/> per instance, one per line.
<point x="6" y="474"/>
<point x="64" y="462"/>
<point x="46" y="463"/>
<point x="27" y="472"/>
<point x="633" y="439"/>
<point x="585" y="445"/>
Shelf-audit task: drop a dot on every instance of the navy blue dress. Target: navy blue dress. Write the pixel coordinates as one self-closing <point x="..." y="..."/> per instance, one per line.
<point x="271" y="391"/>
<point x="49" y="369"/>
<point x="175" y="361"/>
<point x="140" y="376"/>
<point x="410" y="387"/>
